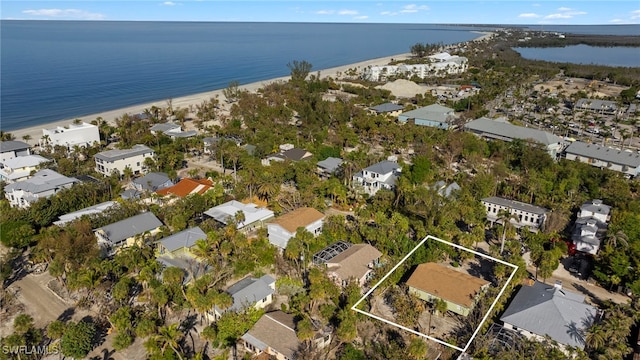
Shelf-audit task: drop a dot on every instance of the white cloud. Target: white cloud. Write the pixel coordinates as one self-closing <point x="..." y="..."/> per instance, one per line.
<point x="388" y="13"/>
<point x="347" y="12"/>
<point x="564" y="9"/>
<point x="565" y="13"/>
<point x="169" y="3"/>
<point x="635" y="15"/>
<point x="413" y="8"/>
<point x="558" y="16"/>
<point x="617" y="21"/>
<point x="361" y="17"/>
<point x="325" y="12"/>
<point x="529" y="15"/>
<point x="65" y="13"/>
<point x="535" y="5"/>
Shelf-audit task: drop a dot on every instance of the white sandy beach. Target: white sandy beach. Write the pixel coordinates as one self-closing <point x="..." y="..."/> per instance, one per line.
<point x="183" y="102"/>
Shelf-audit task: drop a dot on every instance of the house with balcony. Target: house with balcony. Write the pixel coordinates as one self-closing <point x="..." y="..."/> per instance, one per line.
<point x="75" y="134"/>
<point x="252" y="217"/>
<point x="459" y="290"/>
<point x="11" y="149"/>
<point x="435" y="115"/>
<point x="539" y="310"/>
<point x="20" y="168"/>
<point x="624" y="161"/>
<point x="286" y="226"/>
<point x="43" y="184"/>
<point x="500" y="129"/>
<point x="119" y="159"/>
<point x="524" y="215"/>
<point x="378" y="176"/>
<point x="591" y="226"/>
<point x="127" y="232"/>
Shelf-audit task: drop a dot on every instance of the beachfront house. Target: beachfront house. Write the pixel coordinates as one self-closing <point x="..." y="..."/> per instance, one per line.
<point x="75" y="134"/>
<point x="459" y="290"/>
<point x="127" y="232"/>
<point x="624" y="161"/>
<point x="42" y="184"/>
<point x="523" y="215"/>
<point x="435" y="115"/>
<point x="247" y="217"/>
<point x="378" y="176"/>
<point x="11" y="149"/>
<point x="119" y="159"/>
<point x="20" y="168"/>
<point x="248" y="292"/>
<point x="172" y="130"/>
<point x="285" y="227"/>
<point x="539" y="311"/>
<point x="501" y="129"/>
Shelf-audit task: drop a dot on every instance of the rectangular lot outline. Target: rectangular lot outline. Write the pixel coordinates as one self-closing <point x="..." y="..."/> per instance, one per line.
<point x="484" y="318"/>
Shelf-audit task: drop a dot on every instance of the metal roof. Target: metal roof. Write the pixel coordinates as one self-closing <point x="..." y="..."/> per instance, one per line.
<point x="42" y="181"/>
<point x="517" y="205"/>
<point x="330" y="164"/>
<point x="183" y="239"/>
<point x="130" y="227"/>
<point x="596" y="206"/>
<point x="117" y="154"/>
<point x="502" y="130"/>
<point x="627" y="158"/>
<point x="387" y="107"/>
<point x="152" y="181"/>
<point x="252" y="213"/>
<point x="91" y="210"/>
<point x="13" y="145"/>
<point x="433" y="112"/>
<point x="548" y="310"/>
<point x="383" y="167"/>
<point x="24" y="161"/>
<point x="248" y="291"/>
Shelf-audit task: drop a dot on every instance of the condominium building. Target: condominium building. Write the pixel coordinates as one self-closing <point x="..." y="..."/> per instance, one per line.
<point x="111" y="160"/>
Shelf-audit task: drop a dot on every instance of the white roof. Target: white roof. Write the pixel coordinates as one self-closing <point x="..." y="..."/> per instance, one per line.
<point x="252" y="212"/>
<point x="24" y="161"/>
<point x="91" y="210"/>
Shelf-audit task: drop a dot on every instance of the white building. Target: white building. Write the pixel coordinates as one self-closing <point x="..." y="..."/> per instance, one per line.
<point x="20" y="168"/>
<point x="43" y="184"/>
<point x="254" y="216"/>
<point x="591" y="226"/>
<point x="286" y="226"/>
<point x="525" y="215"/>
<point x="441" y="64"/>
<point x="378" y="176"/>
<point x="111" y="160"/>
<point x="624" y="161"/>
<point x="81" y="134"/>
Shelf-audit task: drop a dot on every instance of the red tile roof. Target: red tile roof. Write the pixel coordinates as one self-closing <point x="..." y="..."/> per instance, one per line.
<point x="187" y="186"/>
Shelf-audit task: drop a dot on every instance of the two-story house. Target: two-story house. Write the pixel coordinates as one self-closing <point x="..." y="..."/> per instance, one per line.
<point x="80" y="134"/>
<point x="624" y="161"/>
<point x="11" y="149"/>
<point x="378" y="176"/>
<point x="20" y="168"/>
<point x="119" y="159"/>
<point x="346" y="262"/>
<point x="248" y="292"/>
<point x="42" y="184"/>
<point x="285" y="227"/>
<point x="524" y="215"/>
<point x="590" y="226"/>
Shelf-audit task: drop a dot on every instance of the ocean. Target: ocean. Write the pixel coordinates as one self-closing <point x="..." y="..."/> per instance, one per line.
<point x="56" y="70"/>
<point x="583" y="54"/>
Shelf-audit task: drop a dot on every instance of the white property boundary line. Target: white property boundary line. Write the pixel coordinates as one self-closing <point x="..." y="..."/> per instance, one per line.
<point x="429" y="237"/>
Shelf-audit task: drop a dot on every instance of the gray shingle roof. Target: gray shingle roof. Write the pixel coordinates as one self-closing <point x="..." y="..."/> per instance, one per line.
<point x="505" y="131"/>
<point x="517" y="205"/>
<point x="13" y="145"/>
<point x="596" y="104"/>
<point x="186" y="238"/>
<point x="248" y="291"/>
<point x="628" y="158"/>
<point x="130" y="227"/>
<point x="596" y="206"/>
<point x="545" y="310"/>
<point x="112" y="155"/>
<point x="387" y="107"/>
<point x="42" y="181"/>
<point x="383" y="167"/>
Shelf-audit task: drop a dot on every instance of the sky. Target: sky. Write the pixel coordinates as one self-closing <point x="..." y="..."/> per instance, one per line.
<point x="516" y="12"/>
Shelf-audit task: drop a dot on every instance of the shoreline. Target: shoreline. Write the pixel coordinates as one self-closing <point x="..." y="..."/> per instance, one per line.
<point x="110" y="116"/>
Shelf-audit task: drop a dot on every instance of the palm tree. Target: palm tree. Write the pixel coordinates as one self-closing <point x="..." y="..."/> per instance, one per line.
<point x="169" y="336"/>
<point x="505" y="216"/>
<point x="618" y="237"/>
<point x="26" y="138"/>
